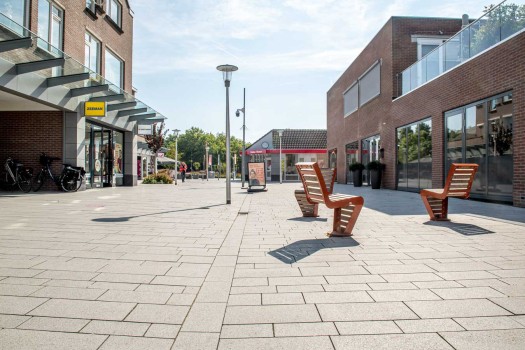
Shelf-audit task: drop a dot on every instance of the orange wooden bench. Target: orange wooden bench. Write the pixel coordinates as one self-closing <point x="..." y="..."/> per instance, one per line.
<point x="346" y="207"/>
<point x="458" y="184"/>
<point x="308" y="208"/>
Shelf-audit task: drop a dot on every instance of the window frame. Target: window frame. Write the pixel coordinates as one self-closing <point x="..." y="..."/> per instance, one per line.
<point x="109" y="11"/>
<point x="118" y="58"/>
<point x="93" y="38"/>
<point x="51" y="5"/>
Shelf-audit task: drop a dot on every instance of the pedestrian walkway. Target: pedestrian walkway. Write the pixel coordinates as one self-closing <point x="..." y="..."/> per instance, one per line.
<point x="173" y="267"/>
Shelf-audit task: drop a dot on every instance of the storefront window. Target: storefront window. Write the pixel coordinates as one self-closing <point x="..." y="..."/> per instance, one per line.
<point x="290" y="171"/>
<point x="352" y="153"/>
<point x="369" y="152"/>
<point x="414" y="156"/>
<point x="88" y="166"/>
<point x="118" y="157"/>
<point x="481" y="133"/>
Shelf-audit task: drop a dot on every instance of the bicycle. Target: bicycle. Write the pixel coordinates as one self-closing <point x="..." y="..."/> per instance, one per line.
<point x="69" y="180"/>
<point x="17" y="174"/>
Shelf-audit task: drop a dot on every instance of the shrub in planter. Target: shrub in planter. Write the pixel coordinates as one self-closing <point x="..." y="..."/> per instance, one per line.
<point x="157" y="179"/>
<point x="357" y="173"/>
<point x="376" y="169"/>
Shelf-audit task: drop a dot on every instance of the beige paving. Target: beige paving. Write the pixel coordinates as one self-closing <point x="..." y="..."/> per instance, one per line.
<point x="173" y="267"/>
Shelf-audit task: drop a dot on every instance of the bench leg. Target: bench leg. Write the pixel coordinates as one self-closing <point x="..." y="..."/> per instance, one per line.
<point x="437" y="208"/>
<point x="308" y="209"/>
<point x="345" y="219"/>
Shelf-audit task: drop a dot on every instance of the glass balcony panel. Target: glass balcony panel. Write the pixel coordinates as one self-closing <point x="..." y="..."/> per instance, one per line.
<point x="452" y="50"/>
<point x="432" y="64"/>
<point x="413" y="77"/>
<point x="405" y="82"/>
<point x="9" y="29"/>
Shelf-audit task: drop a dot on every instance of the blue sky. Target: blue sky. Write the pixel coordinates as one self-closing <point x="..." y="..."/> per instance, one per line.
<point x="289" y="53"/>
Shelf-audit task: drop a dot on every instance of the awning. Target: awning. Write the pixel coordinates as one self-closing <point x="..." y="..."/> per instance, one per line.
<point x="165" y="160"/>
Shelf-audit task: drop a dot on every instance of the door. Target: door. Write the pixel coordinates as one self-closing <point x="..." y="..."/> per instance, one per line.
<point x="268" y="169"/>
<point x="102" y="157"/>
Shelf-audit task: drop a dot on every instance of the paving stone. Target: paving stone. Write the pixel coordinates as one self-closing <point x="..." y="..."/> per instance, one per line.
<point x="390" y="286"/>
<point x="135" y="297"/>
<point x="487" y="340"/>
<point x="250" y="282"/>
<point x="19" y="305"/>
<point x="282" y="298"/>
<point x="24" y="280"/>
<point x="337" y="297"/>
<point x="347" y="287"/>
<point x="354" y="279"/>
<point x="69" y="293"/>
<point x="334" y="271"/>
<point x="16" y="339"/>
<point x="271" y="314"/>
<point x="116" y="328"/>
<point x="488" y="323"/>
<point x="466" y="275"/>
<point x="220" y="274"/>
<point x="395" y="269"/>
<point x="247" y="331"/>
<point x="245" y="299"/>
<point x="365" y="311"/>
<point x="96" y="310"/>
<point x="437" y="284"/>
<point x="367" y="327"/>
<point x="292" y="343"/>
<point x="20" y="290"/>
<point x="204" y="317"/>
<point x="54" y="324"/>
<point x="158" y="288"/>
<point x="68" y="275"/>
<point x="391" y="341"/>
<point x="181" y="299"/>
<point x="196" y="341"/>
<point x="456" y="308"/>
<point x="467" y="293"/>
<point x="403" y="295"/>
<point x="12" y="321"/>
<point x="115" y="286"/>
<point x="177" y="281"/>
<point x="429" y="325"/>
<point x="136" y="343"/>
<point x="411" y="277"/>
<point x="163" y="331"/>
<point x="158" y="314"/>
<point x="214" y="292"/>
<point x="305" y="329"/>
<point x="515" y="305"/>
<point x="123" y="278"/>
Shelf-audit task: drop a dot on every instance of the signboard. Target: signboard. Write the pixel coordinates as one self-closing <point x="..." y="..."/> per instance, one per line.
<point x="94" y="109"/>
<point x="145" y="129"/>
<point x="256" y="175"/>
<point x="160" y="155"/>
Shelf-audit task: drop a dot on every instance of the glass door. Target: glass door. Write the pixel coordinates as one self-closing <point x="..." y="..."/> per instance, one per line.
<point x="268" y="169"/>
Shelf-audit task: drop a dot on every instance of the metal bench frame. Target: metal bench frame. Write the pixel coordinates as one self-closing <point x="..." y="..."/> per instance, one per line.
<point x="458" y="185"/>
<point x="308" y="208"/>
<point x="346" y="207"/>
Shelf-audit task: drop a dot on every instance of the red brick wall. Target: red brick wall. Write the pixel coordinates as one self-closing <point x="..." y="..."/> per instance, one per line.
<point x="24" y="135"/>
<point x="498" y="70"/>
<point x="77" y="21"/>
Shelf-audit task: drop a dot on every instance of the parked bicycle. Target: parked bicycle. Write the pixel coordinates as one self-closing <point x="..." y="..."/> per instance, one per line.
<point x="17" y="175"/>
<point x="69" y="180"/>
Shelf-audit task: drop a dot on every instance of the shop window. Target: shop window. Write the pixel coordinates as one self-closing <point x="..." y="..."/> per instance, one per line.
<point x="92" y="53"/>
<point x="352" y="156"/>
<point x="50" y="26"/>
<point x="15" y="10"/>
<point x="482" y="133"/>
<point x="114" y="67"/>
<point x="369" y="152"/>
<point x="114" y="10"/>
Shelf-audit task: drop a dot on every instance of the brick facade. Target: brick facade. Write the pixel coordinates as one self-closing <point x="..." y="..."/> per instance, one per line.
<point x="500" y="69"/>
<point x="77" y="20"/>
<point x="24" y="135"/>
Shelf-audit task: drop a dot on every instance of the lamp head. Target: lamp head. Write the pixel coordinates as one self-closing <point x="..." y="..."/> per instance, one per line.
<point x="280" y="131"/>
<point x="227" y="70"/>
<point x="176" y="133"/>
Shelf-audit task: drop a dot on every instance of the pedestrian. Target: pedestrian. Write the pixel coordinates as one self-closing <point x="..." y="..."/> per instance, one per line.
<point x="182" y="169"/>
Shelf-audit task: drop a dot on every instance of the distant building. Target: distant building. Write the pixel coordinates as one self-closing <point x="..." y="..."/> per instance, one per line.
<point x="55" y="56"/>
<point x="296" y="145"/>
<point x="426" y="92"/>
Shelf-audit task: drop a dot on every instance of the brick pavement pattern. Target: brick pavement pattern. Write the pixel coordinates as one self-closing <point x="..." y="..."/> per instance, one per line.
<point x="173" y="267"/>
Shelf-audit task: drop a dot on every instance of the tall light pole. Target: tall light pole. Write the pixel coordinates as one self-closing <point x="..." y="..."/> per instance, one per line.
<point x="227" y="70"/>
<point x="280" y="131"/>
<point x="243" y="110"/>
<point x="206" y="161"/>
<point x="176" y="134"/>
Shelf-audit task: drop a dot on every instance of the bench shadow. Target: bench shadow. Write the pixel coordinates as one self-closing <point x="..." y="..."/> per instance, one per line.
<point x="308" y="219"/>
<point x="464" y="229"/>
<point x="299" y="250"/>
<point x="127" y="218"/>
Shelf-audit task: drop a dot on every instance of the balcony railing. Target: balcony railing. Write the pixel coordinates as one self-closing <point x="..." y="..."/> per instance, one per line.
<point x="496" y="25"/>
<point x="30" y="53"/>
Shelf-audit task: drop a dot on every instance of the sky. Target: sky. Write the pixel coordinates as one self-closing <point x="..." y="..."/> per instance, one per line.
<point x="289" y="54"/>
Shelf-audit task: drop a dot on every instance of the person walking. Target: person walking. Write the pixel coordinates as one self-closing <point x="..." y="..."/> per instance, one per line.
<point x="182" y="169"/>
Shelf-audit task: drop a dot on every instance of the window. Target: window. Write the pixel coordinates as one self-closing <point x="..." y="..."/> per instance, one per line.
<point x="114" y="11"/>
<point x="414" y="156"/>
<point x="114" y="69"/>
<point x="370" y="84"/>
<point x="92" y="54"/>
<point x="50" y="25"/>
<point x="15" y="10"/>
<point x="351" y="99"/>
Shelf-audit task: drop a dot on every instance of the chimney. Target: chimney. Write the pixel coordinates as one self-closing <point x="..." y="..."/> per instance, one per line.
<point x="464" y="21"/>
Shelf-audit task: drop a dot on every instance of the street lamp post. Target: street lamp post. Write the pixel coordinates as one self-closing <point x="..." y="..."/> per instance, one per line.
<point x="206" y="161"/>
<point x="243" y="110"/>
<point x="227" y="71"/>
<point x="176" y="134"/>
<point x="280" y="131"/>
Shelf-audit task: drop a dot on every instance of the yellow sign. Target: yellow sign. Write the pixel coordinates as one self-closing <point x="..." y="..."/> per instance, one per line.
<point x="94" y="109"/>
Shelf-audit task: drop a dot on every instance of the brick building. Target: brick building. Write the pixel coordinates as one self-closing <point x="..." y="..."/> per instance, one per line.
<point x="426" y="92"/>
<point x="56" y="56"/>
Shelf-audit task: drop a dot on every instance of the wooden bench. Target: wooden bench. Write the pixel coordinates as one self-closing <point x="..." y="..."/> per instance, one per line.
<point x="346" y="207"/>
<point x="458" y="184"/>
<point x="308" y="208"/>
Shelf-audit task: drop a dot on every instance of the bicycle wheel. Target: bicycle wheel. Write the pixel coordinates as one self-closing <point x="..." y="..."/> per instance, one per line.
<point x="41" y="177"/>
<point x="69" y="183"/>
<point x="24" y="181"/>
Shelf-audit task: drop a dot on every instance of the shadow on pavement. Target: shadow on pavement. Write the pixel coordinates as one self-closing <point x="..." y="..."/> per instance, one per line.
<point x="308" y="219"/>
<point x="464" y="229"/>
<point x="127" y="218"/>
<point x="299" y="250"/>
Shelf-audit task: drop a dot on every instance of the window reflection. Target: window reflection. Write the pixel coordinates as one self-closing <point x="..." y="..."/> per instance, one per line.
<point x="352" y="150"/>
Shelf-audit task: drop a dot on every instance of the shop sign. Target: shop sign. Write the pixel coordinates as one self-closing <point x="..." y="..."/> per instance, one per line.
<point x="160" y="155"/>
<point x="94" y="109"/>
<point x="145" y="129"/>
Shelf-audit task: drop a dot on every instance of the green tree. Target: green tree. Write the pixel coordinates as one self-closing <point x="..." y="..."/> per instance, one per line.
<point x="156" y="140"/>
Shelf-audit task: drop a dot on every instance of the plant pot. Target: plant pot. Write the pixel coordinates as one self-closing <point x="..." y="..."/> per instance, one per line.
<point x="375" y="179"/>
<point x="358" y="178"/>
